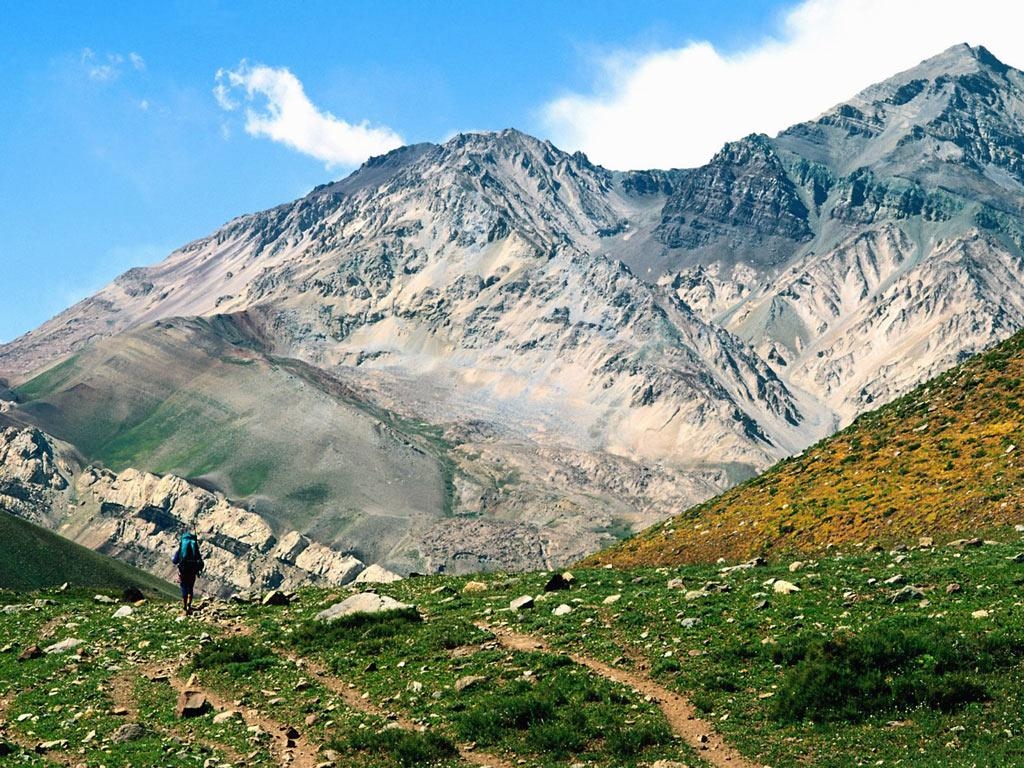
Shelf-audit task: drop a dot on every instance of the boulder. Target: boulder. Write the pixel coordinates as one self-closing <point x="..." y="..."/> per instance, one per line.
<point x="521" y="603"/>
<point x="364" y="602"/>
<point x="562" y="610"/>
<point x="276" y="597"/>
<point x="906" y="594"/>
<point x="191" y="703"/>
<point x="611" y="599"/>
<point x="468" y="681"/>
<point x="557" y="583"/>
<point x="377" y="574"/>
<point x="123" y="612"/>
<point x="474" y="586"/>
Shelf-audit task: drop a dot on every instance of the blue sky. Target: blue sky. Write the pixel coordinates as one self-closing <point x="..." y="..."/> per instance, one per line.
<point x="131" y="128"/>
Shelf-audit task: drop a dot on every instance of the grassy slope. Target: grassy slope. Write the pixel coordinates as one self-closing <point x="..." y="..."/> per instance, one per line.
<point x="945" y="460"/>
<point x="34" y="558"/>
<point x="185" y="397"/>
<point x="834" y="675"/>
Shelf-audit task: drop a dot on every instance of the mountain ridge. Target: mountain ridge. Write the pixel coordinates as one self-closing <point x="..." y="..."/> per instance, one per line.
<point x="556" y="323"/>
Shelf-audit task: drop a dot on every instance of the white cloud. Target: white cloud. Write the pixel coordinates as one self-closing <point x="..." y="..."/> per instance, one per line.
<point x="675" y="108"/>
<point x="278" y="109"/>
<point x="109" y="66"/>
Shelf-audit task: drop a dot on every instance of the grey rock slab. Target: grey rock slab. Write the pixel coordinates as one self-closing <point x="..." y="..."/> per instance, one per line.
<point x="522" y="603"/>
<point x="376" y="574"/>
<point x="364" y="602"/>
<point x="63" y="645"/>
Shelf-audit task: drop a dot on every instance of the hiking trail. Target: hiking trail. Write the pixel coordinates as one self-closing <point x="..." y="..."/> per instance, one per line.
<point x="678" y="710"/>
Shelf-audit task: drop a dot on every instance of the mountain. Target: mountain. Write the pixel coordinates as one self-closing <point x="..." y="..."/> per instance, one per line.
<point x="941" y="462"/>
<point x="495" y="354"/>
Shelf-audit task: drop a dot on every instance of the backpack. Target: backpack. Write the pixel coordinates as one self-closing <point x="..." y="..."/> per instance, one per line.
<point x="190" y="551"/>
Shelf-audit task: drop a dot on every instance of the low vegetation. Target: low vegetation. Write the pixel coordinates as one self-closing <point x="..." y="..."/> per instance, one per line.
<point x="909" y="656"/>
<point x="942" y="461"/>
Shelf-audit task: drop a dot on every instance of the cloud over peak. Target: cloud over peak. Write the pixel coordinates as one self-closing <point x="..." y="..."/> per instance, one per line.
<point x="277" y="108"/>
<point x="676" y="107"/>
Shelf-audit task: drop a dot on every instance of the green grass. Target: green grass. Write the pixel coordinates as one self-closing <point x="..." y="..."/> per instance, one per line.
<point x="33" y="558"/>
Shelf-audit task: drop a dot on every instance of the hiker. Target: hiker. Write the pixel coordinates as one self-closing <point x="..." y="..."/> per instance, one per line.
<point x="190" y="564"/>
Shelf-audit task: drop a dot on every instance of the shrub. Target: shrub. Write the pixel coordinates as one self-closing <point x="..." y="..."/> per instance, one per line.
<point x="408" y="749"/>
<point x="887" y="668"/>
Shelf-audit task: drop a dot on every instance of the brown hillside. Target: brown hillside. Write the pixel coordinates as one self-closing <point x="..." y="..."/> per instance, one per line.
<point x="943" y="461"/>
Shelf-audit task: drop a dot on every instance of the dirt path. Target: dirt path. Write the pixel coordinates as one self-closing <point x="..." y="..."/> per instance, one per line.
<point x="680" y="713"/>
<point x="355" y="700"/>
<point x="297" y="752"/>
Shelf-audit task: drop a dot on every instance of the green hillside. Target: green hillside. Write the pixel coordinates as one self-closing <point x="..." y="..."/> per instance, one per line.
<point x="193" y="397"/>
<point x="33" y="558"/>
<point x="943" y="461"/>
<point x="910" y="658"/>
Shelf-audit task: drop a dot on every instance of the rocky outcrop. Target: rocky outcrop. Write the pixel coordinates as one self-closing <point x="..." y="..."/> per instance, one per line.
<point x="138" y="516"/>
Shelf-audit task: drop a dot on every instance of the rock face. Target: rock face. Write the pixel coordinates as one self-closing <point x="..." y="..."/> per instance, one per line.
<point x="138" y="517"/>
<point x="588" y="351"/>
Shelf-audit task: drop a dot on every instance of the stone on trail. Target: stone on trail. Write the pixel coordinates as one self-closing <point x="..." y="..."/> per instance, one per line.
<point x="49" y="746"/>
<point x="377" y="574"/>
<point x="521" y="603"/>
<point x="228" y="714"/>
<point x="191" y="704"/>
<point x="364" y="602"/>
<point x="63" y="645"/>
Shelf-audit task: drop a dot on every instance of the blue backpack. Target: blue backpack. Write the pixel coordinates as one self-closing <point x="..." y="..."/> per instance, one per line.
<point x="189" y="552"/>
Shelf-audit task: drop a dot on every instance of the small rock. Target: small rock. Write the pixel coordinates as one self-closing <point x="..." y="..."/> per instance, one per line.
<point x="926" y="542"/>
<point x="557" y="583"/>
<point x="474" y="586"/>
<point x="892" y="581"/>
<point x="123" y="612"/>
<point x="781" y="587"/>
<point x="291" y="733"/>
<point x="468" y="681"/>
<point x="611" y="599"/>
<point x="312" y="718"/>
<point x="49" y="746"/>
<point x="676" y="584"/>
<point x="191" y="704"/>
<point x="104" y="599"/>
<point x="963" y="543"/>
<point x="63" y="645"/>
<point x="953" y="588"/>
<point x="32" y="652"/>
<point x="276" y="597"/>
<point x="521" y="603"/>
<point x="226" y="716"/>
<point x="562" y="610"/>
<point x="795" y="566"/>
<point x="906" y="594"/>
<point x="1018" y="558"/>
<point x="132" y="595"/>
<point x="689" y="623"/>
<point x="982" y="614"/>
<point x="128" y="732"/>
